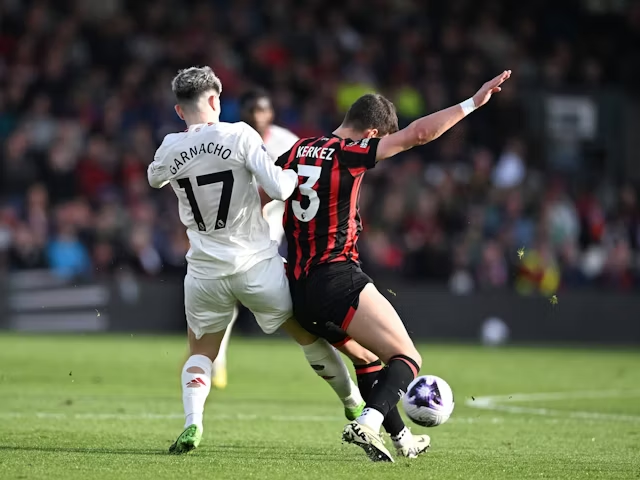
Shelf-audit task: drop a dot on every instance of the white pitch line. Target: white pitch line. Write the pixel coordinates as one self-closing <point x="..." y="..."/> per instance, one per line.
<point x="530" y="397"/>
<point x="161" y="416"/>
<point x="496" y="403"/>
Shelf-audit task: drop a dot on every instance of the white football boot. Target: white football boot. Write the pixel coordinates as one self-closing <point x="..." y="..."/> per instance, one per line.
<point x="413" y="446"/>
<point x="367" y="439"/>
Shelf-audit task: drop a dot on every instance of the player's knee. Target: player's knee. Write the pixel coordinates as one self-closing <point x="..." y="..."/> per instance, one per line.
<point x="417" y="358"/>
<point x="412" y="353"/>
<point x="357" y="353"/>
<point x="364" y="358"/>
<point x="298" y="333"/>
<point x="409" y="350"/>
<point x="408" y="354"/>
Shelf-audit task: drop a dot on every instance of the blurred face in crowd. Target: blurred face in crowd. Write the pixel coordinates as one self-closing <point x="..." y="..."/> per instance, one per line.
<point x="17" y="146"/>
<point x="261" y="116"/>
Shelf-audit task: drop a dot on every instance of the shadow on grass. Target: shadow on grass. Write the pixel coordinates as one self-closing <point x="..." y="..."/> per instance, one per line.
<point x="279" y="453"/>
<point x="257" y="452"/>
<point x="99" y="451"/>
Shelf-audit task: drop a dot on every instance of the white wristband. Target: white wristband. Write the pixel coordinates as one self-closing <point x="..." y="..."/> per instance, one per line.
<point x="468" y="106"/>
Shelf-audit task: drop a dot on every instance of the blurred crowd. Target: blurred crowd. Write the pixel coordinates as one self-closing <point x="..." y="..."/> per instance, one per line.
<point x="85" y="99"/>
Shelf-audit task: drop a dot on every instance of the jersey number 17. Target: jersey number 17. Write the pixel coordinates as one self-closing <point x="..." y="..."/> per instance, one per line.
<point x="226" y="178"/>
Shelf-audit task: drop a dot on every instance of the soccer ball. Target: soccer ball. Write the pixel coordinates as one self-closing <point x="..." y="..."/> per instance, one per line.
<point x="428" y="401"/>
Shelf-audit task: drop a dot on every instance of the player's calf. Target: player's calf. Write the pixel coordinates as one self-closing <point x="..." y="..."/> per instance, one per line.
<point x="391" y="384"/>
<point x="326" y="362"/>
<point x="196" y="385"/>
<point x="367" y="367"/>
<point x="377" y="326"/>
<point x="401" y="436"/>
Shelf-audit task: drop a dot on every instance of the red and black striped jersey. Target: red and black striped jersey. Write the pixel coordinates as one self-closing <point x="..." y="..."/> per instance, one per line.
<point x="321" y="219"/>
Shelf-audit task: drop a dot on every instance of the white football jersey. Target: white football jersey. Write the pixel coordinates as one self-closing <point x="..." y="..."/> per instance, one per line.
<point x="277" y="140"/>
<point x="211" y="169"/>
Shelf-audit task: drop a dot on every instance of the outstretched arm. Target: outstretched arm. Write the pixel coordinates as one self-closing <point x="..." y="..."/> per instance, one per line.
<point x="427" y="129"/>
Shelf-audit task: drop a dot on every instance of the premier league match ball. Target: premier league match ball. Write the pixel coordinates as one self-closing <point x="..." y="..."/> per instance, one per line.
<point x="428" y="401"/>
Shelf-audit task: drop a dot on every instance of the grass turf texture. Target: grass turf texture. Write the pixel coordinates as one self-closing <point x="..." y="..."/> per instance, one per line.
<point x="109" y="407"/>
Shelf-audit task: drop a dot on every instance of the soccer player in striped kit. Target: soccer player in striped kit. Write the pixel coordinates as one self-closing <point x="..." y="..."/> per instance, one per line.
<point x="332" y="297"/>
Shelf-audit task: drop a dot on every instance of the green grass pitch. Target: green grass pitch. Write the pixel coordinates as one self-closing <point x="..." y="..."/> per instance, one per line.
<point x="98" y="407"/>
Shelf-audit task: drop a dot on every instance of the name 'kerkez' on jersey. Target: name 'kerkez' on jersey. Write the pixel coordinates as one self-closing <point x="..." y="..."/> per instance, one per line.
<point x="211" y="168"/>
<point x="321" y="219"/>
<point x="309" y="151"/>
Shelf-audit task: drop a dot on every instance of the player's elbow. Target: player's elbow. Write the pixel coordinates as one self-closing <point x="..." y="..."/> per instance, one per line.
<point x="425" y="137"/>
<point x="422" y="135"/>
<point x="155" y="183"/>
<point x="154" y="177"/>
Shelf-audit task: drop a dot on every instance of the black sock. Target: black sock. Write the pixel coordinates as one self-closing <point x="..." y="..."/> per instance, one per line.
<point x="392" y="383"/>
<point x="367" y="374"/>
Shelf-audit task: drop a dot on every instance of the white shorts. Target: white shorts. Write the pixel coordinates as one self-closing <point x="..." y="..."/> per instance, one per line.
<point x="263" y="289"/>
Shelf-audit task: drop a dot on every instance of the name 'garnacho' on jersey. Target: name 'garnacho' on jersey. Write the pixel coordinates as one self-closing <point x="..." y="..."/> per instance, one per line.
<point x="211" y="169"/>
<point x="211" y="148"/>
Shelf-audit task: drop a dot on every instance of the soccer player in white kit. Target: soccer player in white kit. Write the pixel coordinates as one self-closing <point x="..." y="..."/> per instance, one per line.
<point x="212" y="168"/>
<point x="257" y="111"/>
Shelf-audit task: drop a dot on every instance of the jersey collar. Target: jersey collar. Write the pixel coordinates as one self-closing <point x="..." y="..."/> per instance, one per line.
<point x="197" y="125"/>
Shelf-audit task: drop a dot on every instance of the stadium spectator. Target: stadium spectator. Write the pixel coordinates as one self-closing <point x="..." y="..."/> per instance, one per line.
<point x="84" y="103"/>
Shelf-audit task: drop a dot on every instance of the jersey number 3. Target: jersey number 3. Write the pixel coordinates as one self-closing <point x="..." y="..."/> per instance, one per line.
<point x="226" y="178"/>
<point x="313" y="175"/>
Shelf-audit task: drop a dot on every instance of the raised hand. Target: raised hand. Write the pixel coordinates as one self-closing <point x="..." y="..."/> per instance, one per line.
<point x="492" y="86"/>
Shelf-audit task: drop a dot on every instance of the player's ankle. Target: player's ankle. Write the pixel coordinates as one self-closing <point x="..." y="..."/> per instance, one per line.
<point x="194" y="419"/>
<point x="353" y="400"/>
<point x="371" y="418"/>
<point x="403" y="438"/>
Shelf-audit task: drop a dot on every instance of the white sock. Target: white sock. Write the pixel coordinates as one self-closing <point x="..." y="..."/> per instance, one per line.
<point x="327" y="363"/>
<point x="403" y="438"/>
<point x="221" y="359"/>
<point x="372" y="418"/>
<point x="195" y="388"/>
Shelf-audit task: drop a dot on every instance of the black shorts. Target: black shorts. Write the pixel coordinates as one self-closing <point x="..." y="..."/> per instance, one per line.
<point x="325" y="301"/>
